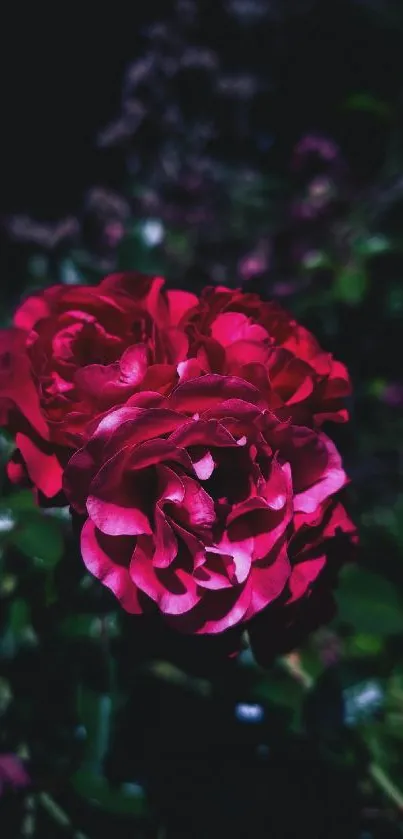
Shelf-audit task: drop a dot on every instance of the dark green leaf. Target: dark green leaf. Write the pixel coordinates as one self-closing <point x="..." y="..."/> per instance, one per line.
<point x="367" y="103"/>
<point x="369" y="603"/>
<point x="350" y="285"/>
<point x="39" y="537"/>
<point x="94" y="710"/>
<point x="128" y="799"/>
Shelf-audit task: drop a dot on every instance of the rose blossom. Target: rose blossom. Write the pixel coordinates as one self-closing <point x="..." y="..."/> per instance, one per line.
<point x="234" y="333"/>
<point x="74" y="352"/>
<point x="189" y="500"/>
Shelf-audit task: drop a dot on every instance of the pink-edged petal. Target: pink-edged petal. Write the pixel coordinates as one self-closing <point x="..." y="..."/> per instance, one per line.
<point x="16" y="385"/>
<point x="133" y="364"/>
<point x="159" y="377"/>
<point x="208" y="433"/>
<point x="115" y="520"/>
<point x="176" y="345"/>
<point x="212" y="574"/>
<point x="236" y="557"/>
<point x="153" y="452"/>
<point x="112" y="505"/>
<point x="166" y="545"/>
<point x="30" y="312"/>
<point x="238" y="409"/>
<point x="303" y="575"/>
<point x="114" y="576"/>
<point x="170" y="485"/>
<point x="192" y="544"/>
<point x="204" y="467"/>
<point x="112" y="421"/>
<point x="267" y="583"/>
<point x="234" y="326"/>
<point x="197" y="508"/>
<point x="329" y="480"/>
<point x="140" y="288"/>
<point x="198" y="395"/>
<point x="43" y="469"/>
<point x="189" y="369"/>
<point x="77" y="478"/>
<point x="302" y="392"/>
<point x="179" y="303"/>
<point x="227" y="610"/>
<point x="175" y="592"/>
<point x="147" y="399"/>
<point x="246" y="351"/>
<point x="254" y="519"/>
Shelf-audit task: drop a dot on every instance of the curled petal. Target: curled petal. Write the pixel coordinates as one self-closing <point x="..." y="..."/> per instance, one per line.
<point x="112" y="574"/>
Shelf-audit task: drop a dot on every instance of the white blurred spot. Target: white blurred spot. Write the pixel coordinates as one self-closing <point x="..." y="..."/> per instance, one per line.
<point x="248" y="712"/>
<point x="153" y="232"/>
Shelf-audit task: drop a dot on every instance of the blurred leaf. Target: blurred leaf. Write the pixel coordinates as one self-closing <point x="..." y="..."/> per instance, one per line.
<point x="128" y="799"/>
<point x="39" y="537"/>
<point x="364" y="645"/>
<point x="314" y="260"/>
<point x="350" y="285"/>
<point x="21" y="501"/>
<point x="369" y="603"/>
<point x="18" y="616"/>
<point x="94" y="710"/>
<point x="372" y="246"/>
<point x="134" y="252"/>
<point x="369" y="104"/>
<point x="80" y="626"/>
<point x="394" y="301"/>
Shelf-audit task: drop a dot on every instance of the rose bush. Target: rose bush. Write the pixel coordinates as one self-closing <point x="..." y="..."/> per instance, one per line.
<point x="190" y="499"/>
<point x="53" y="364"/>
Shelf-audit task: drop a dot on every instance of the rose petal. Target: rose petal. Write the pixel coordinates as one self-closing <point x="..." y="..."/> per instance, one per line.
<point x="101" y="565"/>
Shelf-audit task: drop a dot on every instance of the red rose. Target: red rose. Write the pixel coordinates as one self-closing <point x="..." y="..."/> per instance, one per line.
<point x="190" y="499"/>
<point x="321" y="543"/>
<point x="76" y="351"/>
<point x="238" y="334"/>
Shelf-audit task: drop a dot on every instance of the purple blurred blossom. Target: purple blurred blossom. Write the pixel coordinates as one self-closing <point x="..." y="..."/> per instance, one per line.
<point x="12" y="773"/>
<point x="392" y="395"/>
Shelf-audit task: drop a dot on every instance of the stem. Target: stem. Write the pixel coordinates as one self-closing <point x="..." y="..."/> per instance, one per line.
<point x="292" y="664"/>
<point x="28" y="824"/>
<point x="58" y="815"/>
<point x="381" y="779"/>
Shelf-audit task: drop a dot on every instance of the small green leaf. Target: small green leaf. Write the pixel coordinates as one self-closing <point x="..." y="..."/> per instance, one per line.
<point x="372" y="246"/>
<point x="369" y="603"/>
<point x="350" y="285"/>
<point x="39" y="537"/>
<point x="363" y="644"/>
<point x="369" y="104"/>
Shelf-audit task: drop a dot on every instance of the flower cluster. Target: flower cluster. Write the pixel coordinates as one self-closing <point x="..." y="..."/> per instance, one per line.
<point x="186" y="434"/>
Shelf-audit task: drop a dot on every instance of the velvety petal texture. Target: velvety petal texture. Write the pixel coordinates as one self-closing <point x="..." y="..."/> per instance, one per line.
<point x="186" y="433"/>
<point x="75" y="352"/>
<point x="201" y="489"/>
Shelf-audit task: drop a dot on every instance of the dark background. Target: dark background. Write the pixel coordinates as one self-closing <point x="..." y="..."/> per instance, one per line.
<point x="62" y="79"/>
<point x="62" y="75"/>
